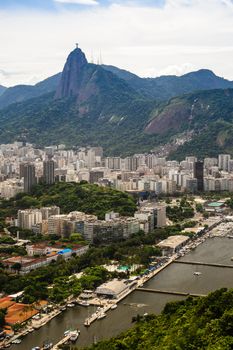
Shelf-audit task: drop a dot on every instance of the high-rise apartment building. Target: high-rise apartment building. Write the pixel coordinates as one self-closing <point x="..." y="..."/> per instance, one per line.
<point x="198" y="173"/>
<point x="48" y="172"/>
<point x="29" y="217"/>
<point x="28" y="172"/>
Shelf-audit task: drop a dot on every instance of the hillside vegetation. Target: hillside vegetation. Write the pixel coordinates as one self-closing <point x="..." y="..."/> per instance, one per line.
<point x="88" y="198"/>
<point x="194" y="324"/>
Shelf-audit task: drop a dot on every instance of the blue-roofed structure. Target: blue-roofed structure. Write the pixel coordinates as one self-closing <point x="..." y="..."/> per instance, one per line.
<point x="65" y="251"/>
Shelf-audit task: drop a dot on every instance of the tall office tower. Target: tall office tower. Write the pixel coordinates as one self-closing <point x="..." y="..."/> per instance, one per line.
<point x="29" y="177"/>
<point x="48" y="172"/>
<point x="198" y="173"/>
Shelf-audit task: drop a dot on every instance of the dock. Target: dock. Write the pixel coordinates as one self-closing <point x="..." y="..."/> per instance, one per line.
<point x="140" y="283"/>
<point x="202" y="263"/>
<point x="61" y="342"/>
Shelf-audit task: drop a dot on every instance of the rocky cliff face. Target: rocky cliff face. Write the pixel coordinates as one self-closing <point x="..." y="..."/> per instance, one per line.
<point x="72" y="75"/>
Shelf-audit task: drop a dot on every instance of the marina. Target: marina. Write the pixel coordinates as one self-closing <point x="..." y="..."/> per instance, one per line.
<point x="172" y="277"/>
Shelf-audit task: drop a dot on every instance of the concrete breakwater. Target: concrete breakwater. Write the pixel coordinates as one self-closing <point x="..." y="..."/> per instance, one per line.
<point x="202" y="263"/>
<point x="150" y="290"/>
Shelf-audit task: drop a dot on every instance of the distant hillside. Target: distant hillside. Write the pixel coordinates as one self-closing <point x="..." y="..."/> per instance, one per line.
<point x="115" y="125"/>
<point x="21" y="93"/>
<point x="2" y="89"/>
<point x="194" y="324"/>
<point x="207" y="114"/>
<point x="165" y="87"/>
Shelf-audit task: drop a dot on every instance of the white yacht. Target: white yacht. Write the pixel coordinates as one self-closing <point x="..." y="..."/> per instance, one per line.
<point x="74" y="335"/>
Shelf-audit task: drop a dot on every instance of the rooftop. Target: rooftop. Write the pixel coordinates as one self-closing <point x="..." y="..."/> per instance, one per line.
<point x="112" y="287"/>
<point x="173" y="241"/>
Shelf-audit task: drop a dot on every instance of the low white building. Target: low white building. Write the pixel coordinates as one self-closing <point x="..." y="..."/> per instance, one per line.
<point x="112" y="289"/>
<point x="172" y="244"/>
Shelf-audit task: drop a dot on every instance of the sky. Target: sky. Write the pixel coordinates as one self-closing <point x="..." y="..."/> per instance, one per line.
<point x="146" y="37"/>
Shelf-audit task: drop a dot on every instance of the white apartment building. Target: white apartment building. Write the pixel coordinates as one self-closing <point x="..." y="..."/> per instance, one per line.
<point x="29" y="217"/>
<point x="223" y="161"/>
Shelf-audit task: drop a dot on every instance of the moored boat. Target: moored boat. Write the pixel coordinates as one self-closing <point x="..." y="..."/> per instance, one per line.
<point x="83" y="303"/>
<point x="47" y="346"/>
<point x="74" y="335"/>
<point x="101" y="315"/>
<point x="70" y="305"/>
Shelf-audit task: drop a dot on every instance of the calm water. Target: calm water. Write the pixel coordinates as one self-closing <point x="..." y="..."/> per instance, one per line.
<point x="115" y="322"/>
<point x="177" y="277"/>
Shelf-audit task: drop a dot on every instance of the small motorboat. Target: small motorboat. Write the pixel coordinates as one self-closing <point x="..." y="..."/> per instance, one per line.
<point x="70" y="305"/>
<point x="197" y="273"/>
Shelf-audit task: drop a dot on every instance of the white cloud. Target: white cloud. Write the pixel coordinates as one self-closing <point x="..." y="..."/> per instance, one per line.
<point x="79" y="2"/>
<point x="145" y="40"/>
<point x="171" y="70"/>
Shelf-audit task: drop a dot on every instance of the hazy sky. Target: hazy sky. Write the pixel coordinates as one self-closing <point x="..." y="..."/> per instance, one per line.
<point x="147" y="37"/>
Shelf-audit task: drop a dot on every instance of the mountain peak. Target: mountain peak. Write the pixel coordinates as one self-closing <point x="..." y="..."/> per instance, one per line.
<point x="203" y="73"/>
<point x="71" y="75"/>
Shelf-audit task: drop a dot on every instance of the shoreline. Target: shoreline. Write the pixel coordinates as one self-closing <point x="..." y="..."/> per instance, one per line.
<point x="36" y="324"/>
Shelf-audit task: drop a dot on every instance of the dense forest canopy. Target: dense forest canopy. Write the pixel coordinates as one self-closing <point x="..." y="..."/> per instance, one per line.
<point x="88" y="198"/>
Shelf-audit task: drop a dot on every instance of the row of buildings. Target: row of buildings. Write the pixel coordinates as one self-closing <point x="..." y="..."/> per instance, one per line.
<point x="48" y="220"/>
<point x="40" y="255"/>
<point x="22" y="166"/>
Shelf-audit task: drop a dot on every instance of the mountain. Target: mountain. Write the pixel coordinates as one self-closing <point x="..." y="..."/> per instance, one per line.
<point x="95" y="106"/>
<point x="161" y="88"/>
<point x="72" y="75"/>
<point x="165" y="87"/>
<point x="21" y="93"/>
<point x="206" y="115"/>
<point x="2" y="89"/>
<point x="94" y="89"/>
<point x="91" y="106"/>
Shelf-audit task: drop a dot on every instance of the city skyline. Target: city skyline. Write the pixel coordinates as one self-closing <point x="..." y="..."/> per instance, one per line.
<point x="149" y="38"/>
